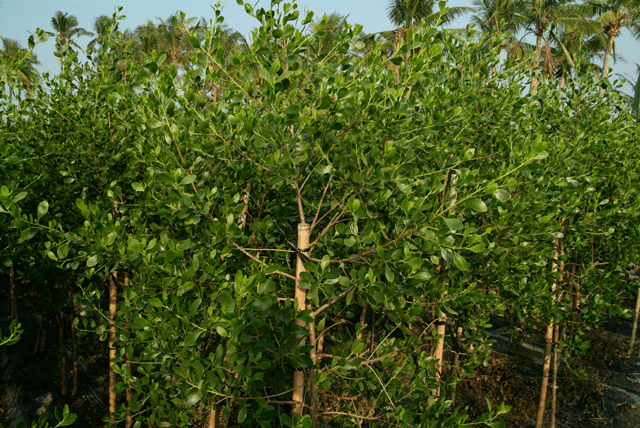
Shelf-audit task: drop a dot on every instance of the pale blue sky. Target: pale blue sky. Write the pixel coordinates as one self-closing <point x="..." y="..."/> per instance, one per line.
<point x="19" y="17"/>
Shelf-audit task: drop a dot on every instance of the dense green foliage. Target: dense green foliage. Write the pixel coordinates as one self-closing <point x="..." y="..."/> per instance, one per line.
<point x="449" y="192"/>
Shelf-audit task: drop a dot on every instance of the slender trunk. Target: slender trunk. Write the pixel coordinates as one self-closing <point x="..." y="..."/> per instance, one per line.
<point x="14" y="297"/>
<point x="363" y="320"/>
<point x="607" y="57"/>
<point x="74" y="388"/>
<point x="536" y="64"/>
<point x="301" y="299"/>
<point x="113" y="290"/>
<point x="456" y="366"/>
<point x="242" y="220"/>
<point x="554" y="382"/>
<point x="547" y="350"/>
<point x="129" y="391"/>
<point x="63" y="356"/>
<point x="635" y="323"/>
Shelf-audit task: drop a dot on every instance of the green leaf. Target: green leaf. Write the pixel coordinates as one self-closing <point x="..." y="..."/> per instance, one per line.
<point x="262" y="304"/>
<point x="388" y="273"/>
<point x="227" y="302"/>
<point x="454" y="223"/>
<point x="138" y="187"/>
<point x="20" y="196"/>
<point x="404" y="188"/>
<point x="153" y="123"/>
<point x="265" y="74"/>
<point x="188" y="180"/>
<point x="242" y="414"/>
<point x="194" y="42"/>
<point x="496" y="424"/>
<point x="63" y="250"/>
<point x="68" y="420"/>
<point x="460" y="262"/>
<point x="478" y="248"/>
<point x="543" y="154"/>
<point x="111" y="238"/>
<point x="92" y="261"/>
<point x="192" y="338"/>
<point x="502" y="195"/>
<point x="135" y="245"/>
<point x="155" y="302"/>
<point x="192" y="399"/>
<point x="43" y="208"/>
<point x="28" y="234"/>
<point x="175" y="23"/>
<point x="353" y="204"/>
<point x="478" y="205"/>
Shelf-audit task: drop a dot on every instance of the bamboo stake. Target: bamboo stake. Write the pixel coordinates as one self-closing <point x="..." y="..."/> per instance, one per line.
<point x="14" y="297"/>
<point x="213" y="421"/>
<point x="301" y="298"/>
<point x="635" y="323"/>
<point x="440" y="331"/>
<point x="63" y="356"/>
<point x="113" y="290"/>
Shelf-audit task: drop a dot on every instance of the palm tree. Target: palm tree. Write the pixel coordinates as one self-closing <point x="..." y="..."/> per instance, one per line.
<point x="573" y="50"/>
<point x="18" y="64"/>
<point x="540" y="15"/>
<point x="408" y="13"/>
<point x="494" y="17"/>
<point x="101" y="27"/>
<point x="635" y="104"/>
<point x="613" y="16"/>
<point x="66" y="27"/>
<point x="332" y="25"/>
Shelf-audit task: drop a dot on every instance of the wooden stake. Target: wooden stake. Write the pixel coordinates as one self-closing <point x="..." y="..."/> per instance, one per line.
<point x="440" y="331"/>
<point x="301" y="299"/>
<point x="635" y="323"/>
<point x="213" y="417"/>
<point x="113" y="292"/>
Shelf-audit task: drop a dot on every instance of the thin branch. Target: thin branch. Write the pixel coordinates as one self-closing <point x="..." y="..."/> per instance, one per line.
<point x="351" y="415"/>
<point x="315" y="219"/>
<point x="327" y="305"/>
<point x="252" y="257"/>
<point x="358" y="256"/>
<point x="299" y="198"/>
